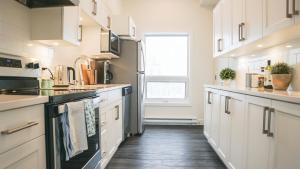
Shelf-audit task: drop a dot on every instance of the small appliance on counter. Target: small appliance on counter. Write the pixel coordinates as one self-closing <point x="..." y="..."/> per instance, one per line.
<point x="104" y="75"/>
<point x="253" y="80"/>
<point x="62" y="76"/>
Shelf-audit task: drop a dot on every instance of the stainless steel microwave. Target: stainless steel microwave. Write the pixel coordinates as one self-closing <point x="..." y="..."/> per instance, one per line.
<point x="110" y="43"/>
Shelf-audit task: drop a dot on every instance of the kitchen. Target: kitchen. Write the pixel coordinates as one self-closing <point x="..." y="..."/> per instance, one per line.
<point x="149" y="84"/>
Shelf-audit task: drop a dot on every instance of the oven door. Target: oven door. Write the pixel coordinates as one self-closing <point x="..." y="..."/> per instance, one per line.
<point x="88" y="159"/>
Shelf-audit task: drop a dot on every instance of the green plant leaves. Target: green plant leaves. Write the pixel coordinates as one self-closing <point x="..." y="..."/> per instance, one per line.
<point x="227" y="74"/>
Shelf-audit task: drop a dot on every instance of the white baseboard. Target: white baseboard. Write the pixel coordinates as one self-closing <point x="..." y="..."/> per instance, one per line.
<point x="159" y="121"/>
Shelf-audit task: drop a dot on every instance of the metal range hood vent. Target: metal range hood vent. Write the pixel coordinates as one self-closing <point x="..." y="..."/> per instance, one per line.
<point x="48" y="3"/>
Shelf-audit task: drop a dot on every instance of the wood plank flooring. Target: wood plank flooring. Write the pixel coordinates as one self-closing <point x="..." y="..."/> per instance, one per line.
<point x="167" y="147"/>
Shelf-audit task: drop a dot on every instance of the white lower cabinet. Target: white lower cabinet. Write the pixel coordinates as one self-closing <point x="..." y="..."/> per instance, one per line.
<point x="215" y="117"/>
<point x="255" y="132"/>
<point x="207" y="113"/>
<point x="30" y="155"/>
<point x="111" y="124"/>
<point x="285" y="142"/>
<point x="257" y="145"/>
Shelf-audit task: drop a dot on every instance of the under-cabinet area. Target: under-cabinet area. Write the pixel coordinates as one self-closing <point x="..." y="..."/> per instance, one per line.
<point x="249" y="131"/>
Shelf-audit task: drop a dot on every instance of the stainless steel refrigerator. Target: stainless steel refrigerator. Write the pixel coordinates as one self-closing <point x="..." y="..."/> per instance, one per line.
<point x="130" y="68"/>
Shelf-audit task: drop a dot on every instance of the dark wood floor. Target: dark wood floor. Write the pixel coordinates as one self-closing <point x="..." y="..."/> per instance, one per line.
<point x="167" y="147"/>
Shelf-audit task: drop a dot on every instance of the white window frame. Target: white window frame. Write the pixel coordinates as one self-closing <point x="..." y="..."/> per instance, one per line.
<point x="180" y="79"/>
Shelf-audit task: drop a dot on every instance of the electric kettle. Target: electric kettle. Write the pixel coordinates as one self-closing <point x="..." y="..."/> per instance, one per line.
<point x="62" y="76"/>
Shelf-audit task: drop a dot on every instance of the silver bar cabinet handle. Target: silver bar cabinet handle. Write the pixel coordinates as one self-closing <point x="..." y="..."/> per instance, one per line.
<point x="264" y="131"/>
<point x="288" y="15"/>
<point x="295" y="11"/>
<point x="227" y="98"/>
<point x="242" y="25"/>
<point x="94" y="12"/>
<point x="118" y="112"/>
<point x="14" y="130"/>
<point x="270" y="134"/>
<point x="209" y="97"/>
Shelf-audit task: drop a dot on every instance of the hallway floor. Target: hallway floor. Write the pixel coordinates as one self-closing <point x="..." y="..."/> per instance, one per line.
<point x="167" y="147"/>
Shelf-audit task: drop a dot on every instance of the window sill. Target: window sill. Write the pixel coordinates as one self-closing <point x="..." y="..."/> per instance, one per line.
<point x="168" y="104"/>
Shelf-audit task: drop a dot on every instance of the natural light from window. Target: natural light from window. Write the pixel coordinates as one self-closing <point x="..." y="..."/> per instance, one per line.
<point x="167" y="67"/>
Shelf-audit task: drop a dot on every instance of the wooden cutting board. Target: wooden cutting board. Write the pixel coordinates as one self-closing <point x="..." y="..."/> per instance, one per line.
<point x="85" y="74"/>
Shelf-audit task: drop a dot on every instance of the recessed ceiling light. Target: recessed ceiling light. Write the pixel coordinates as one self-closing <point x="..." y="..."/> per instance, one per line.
<point x="55" y="43"/>
<point x="260" y="46"/>
<point x="29" y="44"/>
<point x="253" y="55"/>
<point x="81" y="19"/>
<point x="288" y="46"/>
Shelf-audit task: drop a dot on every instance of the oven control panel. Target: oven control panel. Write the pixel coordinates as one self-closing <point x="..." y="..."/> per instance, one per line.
<point x="7" y="62"/>
<point x="18" y="66"/>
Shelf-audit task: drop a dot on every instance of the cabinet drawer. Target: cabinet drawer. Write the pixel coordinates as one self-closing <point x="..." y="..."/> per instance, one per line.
<point x="30" y="155"/>
<point x="21" y="125"/>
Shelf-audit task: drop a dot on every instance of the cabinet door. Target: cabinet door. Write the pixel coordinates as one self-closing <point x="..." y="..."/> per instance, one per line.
<point x="118" y="123"/>
<point x="217" y="21"/>
<point x="227" y="25"/>
<point x="257" y="147"/>
<point x="236" y="105"/>
<point x="285" y="124"/>
<point x="253" y="28"/>
<point x="71" y="24"/>
<point x="215" y="119"/>
<point x="277" y="15"/>
<point x="225" y="125"/>
<point x="207" y="113"/>
<point x="30" y="155"/>
<point x="237" y="20"/>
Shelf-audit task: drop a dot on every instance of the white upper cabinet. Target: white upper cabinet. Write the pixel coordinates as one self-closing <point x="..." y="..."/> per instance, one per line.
<point x="218" y="35"/>
<point x="123" y="26"/>
<point x="54" y="26"/>
<point x="249" y="21"/>
<point x="237" y="21"/>
<point x="252" y="27"/>
<point x="278" y="14"/>
<point x="226" y="25"/>
<point x="284" y="122"/>
<point x="97" y="10"/>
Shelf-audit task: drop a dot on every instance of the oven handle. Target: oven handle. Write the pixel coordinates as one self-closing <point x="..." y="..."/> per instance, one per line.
<point x="96" y="102"/>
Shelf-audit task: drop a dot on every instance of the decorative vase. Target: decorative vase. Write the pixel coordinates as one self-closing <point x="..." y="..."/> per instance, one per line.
<point x="281" y="81"/>
<point x="227" y="82"/>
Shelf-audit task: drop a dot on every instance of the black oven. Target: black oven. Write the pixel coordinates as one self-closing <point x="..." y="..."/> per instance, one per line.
<point x="56" y="159"/>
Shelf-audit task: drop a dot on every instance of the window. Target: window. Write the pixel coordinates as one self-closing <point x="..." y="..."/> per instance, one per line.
<point x="167" y="67"/>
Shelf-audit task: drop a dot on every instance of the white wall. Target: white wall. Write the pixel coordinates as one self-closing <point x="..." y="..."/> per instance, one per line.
<point x="153" y="16"/>
<point x="15" y="33"/>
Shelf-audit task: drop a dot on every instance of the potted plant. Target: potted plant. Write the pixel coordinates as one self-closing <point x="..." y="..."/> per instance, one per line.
<point x="281" y="76"/>
<point x="227" y="75"/>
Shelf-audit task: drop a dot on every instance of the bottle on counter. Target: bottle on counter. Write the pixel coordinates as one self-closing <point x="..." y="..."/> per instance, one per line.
<point x="268" y="76"/>
<point x="261" y="78"/>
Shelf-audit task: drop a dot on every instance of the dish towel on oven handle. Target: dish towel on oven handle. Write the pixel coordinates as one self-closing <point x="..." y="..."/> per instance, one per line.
<point x="77" y="129"/>
<point x="90" y="118"/>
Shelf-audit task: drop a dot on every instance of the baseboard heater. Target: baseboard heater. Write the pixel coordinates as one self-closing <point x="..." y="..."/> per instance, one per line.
<point x="166" y="121"/>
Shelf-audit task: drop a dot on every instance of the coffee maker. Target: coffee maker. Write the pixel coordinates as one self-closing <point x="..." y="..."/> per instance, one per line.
<point x="104" y="75"/>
